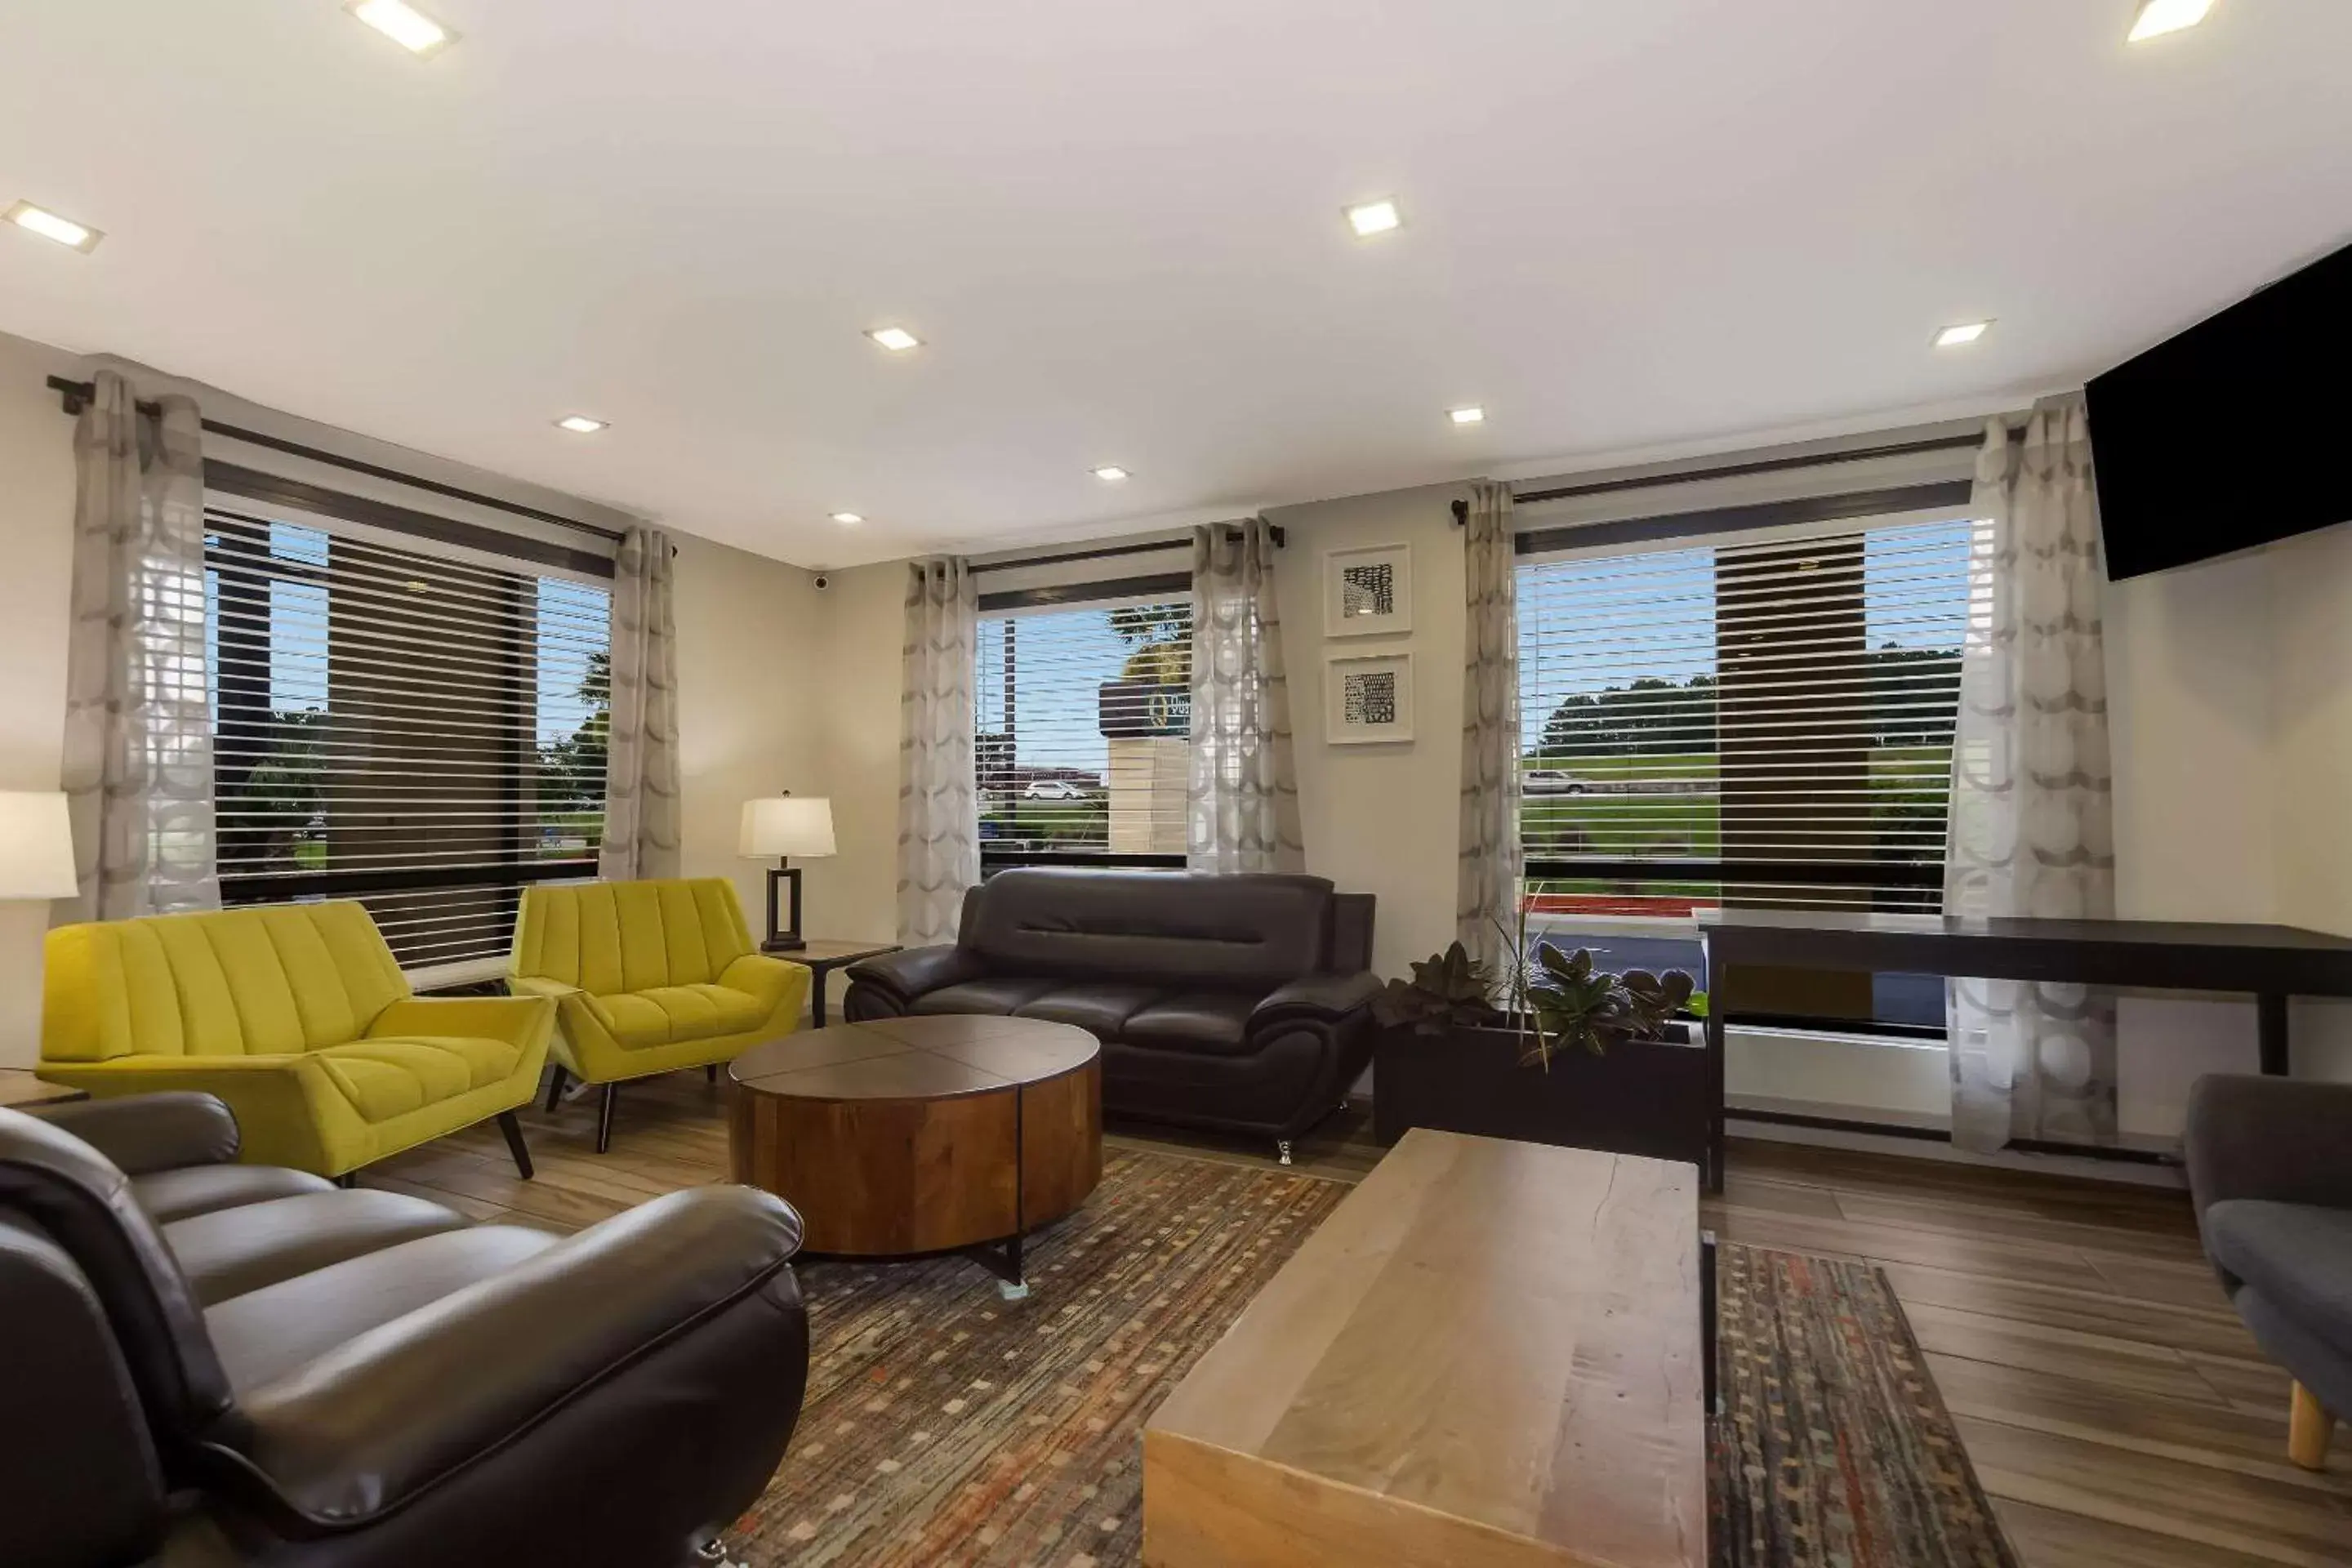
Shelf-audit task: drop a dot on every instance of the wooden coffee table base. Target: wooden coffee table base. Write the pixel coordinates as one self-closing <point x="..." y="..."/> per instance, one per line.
<point x="922" y="1135"/>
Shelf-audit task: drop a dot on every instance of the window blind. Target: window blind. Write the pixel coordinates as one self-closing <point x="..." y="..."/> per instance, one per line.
<point x="424" y="733"/>
<point x="1082" y="726"/>
<point x="1737" y="722"/>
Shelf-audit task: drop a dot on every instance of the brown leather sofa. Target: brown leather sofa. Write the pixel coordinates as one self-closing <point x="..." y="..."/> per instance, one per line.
<point x="205" y="1363"/>
<point x="1237" y="1004"/>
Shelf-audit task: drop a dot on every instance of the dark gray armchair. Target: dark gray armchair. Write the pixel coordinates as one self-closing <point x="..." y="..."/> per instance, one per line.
<point x="2270" y="1163"/>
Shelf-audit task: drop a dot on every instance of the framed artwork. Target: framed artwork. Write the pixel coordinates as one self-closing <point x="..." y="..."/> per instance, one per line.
<point x="1367" y="697"/>
<point x="1368" y="592"/>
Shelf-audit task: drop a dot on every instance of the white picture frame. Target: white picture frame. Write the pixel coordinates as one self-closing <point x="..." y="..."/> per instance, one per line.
<point x="1368" y="592"/>
<point x="1367" y="698"/>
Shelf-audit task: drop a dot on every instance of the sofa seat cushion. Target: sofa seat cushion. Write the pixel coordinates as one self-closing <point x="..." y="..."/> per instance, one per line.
<point x="1100" y="1009"/>
<point x="167" y="1195"/>
<point x="265" y="1333"/>
<point x="992" y="995"/>
<point x="2299" y="1255"/>
<point x="231" y="1251"/>
<point x="1213" y="1023"/>
<point x="666" y="1015"/>
<point x="392" y="1077"/>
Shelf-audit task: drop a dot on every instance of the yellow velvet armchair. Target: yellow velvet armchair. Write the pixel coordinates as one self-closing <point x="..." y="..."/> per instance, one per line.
<point x="297" y="1015"/>
<point x="649" y="978"/>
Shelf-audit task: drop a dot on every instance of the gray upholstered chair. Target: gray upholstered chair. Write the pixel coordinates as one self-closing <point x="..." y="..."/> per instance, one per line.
<point x="2269" y="1162"/>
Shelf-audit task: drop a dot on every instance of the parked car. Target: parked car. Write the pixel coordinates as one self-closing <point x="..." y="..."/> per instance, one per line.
<point x="1552" y="781"/>
<point x="1055" y="789"/>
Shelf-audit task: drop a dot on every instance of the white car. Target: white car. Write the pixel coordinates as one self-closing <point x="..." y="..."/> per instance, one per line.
<point x="1550" y="781"/>
<point x="1053" y="789"/>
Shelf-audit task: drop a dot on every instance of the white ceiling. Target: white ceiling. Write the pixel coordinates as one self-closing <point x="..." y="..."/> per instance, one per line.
<point x="1118" y="226"/>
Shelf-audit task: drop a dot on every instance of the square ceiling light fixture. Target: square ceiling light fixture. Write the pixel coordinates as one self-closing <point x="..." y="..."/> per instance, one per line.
<point x="405" y="24"/>
<point x="898" y="340"/>
<point x="1963" y="332"/>
<point x="581" y="424"/>
<point x="2158" y="17"/>
<point x="847" y="518"/>
<point x="1110" y="473"/>
<point x="1369" y="218"/>
<point x="1466" y="416"/>
<point x="49" y="226"/>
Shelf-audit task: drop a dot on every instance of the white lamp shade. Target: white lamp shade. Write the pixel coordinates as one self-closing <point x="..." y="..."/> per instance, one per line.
<point x="36" y="857"/>
<point x="787" y="825"/>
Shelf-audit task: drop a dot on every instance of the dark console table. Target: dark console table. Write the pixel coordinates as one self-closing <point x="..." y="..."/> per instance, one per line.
<point x="2274" y="962"/>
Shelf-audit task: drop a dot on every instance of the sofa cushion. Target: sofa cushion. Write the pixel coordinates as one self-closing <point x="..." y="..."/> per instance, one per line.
<point x="2299" y="1255"/>
<point x="231" y="1251"/>
<point x="388" y="1077"/>
<point x="997" y="996"/>
<point x="1214" y="1023"/>
<point x="1101" y="1010"/>
<point x="666" y="1015"/>
<point x="191" y="1190"/>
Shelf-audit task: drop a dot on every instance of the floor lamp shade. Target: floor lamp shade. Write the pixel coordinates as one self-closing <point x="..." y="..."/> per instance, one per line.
<point x="36" y="857"/>
<point x="784" y="826"/>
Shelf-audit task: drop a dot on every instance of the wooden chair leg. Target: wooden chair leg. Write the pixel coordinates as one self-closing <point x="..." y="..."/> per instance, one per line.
<point x="2309" y="1426"/>
<point x="604" y="1118"/>
<point x="710" y="1073"/>
<point x="515" y="1145"/>
<point x="555" y="1078"/>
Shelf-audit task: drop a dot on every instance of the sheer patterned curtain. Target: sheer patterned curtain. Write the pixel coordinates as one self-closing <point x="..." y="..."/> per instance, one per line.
<point x="939" y="813"/>
<point x="138" y="767"/>
<point x="641" y="781"/>
<point x="1487" y="886"/>
<point x="2032" y="811"/>
<point x="1243" y="805"/>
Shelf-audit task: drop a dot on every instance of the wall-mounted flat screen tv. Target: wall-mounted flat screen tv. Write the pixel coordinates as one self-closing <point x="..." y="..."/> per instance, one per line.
<point x="2236" y="433"/>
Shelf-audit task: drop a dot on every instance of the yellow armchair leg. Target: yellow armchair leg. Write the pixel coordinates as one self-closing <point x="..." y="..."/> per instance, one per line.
<point x="2309" y="1427"/>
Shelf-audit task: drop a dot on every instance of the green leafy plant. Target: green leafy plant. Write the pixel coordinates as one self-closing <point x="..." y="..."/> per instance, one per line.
<point x="1446" y="989"/>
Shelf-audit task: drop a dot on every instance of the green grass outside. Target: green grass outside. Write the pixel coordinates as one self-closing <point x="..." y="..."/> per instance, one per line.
<point x="1908" y="786"/>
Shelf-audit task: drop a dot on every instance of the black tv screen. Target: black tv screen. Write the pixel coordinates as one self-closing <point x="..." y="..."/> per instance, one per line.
<point x="2236" y="433"/>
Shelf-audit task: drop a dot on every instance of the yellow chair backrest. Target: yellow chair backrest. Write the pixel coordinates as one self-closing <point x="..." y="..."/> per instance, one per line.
<point x="612" y="937"/>
<point x="246" y="982"/>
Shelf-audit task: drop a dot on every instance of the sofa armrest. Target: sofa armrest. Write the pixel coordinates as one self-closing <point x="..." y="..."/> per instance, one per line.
<point x="150" y="1132"/>
<point x="1315" y="999"/>
<point x="778" y="982"/>
<point x="517" y="1020"/>
<point x="2275" y="1138"/>
<point x="540" y="986"/>
<point x="372" y="1426"/>
<point x="913" y="972"/>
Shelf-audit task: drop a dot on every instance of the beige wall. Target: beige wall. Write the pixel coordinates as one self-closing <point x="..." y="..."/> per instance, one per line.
<point x="862" y="618"/>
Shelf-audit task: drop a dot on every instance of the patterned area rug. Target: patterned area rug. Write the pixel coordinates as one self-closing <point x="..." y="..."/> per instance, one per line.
<point x="945" y="1426"/>
<point x="1834" y="1448"/>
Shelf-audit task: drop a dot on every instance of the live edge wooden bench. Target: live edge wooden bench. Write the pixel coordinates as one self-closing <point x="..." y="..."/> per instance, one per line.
<point x="1488" y="1356"/>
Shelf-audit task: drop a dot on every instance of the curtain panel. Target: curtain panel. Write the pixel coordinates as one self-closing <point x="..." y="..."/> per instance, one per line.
<point x="1242" y="787"/>
<point x="641" y="773"/>
<point x="939" y="815"/>
<point x="2033" y="796"/>
<point x="138" y="763"/>
<point x="1487" y="883"/>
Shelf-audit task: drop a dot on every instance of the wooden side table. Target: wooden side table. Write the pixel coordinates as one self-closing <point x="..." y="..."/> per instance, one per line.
<point x="19" y="1088"/>
<point x="821" y="957"/>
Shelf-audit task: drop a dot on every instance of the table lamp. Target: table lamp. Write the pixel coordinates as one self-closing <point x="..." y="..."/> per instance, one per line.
<point x="36" y="855"/>
<point x="785" y="826"/>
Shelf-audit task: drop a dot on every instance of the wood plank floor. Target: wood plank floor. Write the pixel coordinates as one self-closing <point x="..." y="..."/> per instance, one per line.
<point x="2109" y="1399"/>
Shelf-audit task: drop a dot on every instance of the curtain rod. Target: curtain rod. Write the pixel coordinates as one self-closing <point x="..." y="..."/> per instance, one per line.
<point x="1109" y="551"/>
<point x="1736" y="471"/>
<point x="76" y="396"/>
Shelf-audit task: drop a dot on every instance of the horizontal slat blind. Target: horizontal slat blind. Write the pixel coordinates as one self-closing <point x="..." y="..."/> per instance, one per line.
<point x="424" y="734"/>
<point x="1765" y="724"/>
<point x="1082" y="725"/>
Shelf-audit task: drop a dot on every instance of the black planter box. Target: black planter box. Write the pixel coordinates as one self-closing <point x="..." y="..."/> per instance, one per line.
<point x="1640" y="1097"/>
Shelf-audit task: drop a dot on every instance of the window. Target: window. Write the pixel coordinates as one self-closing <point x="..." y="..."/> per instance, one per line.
<point x="422" y="732"/>
<point x="1747" y="723"/>
<point x="1082" y="734"/>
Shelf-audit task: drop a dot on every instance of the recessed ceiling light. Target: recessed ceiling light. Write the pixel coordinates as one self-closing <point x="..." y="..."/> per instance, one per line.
<point x="405" y="24"/>
<point x="1110" y="473"/>
<point x="1965" y="333"/>
<point x="2158" y="17"/>
<point x="1465" y="415"/>
<point x="847" y="518"/>
<point x="1374" y="217"/>
<point x="898" y="340"/>
<point x="581" y="424"/>
<point x="49" y="226"/>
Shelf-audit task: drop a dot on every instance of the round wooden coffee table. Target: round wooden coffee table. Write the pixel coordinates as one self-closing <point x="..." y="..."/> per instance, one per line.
<point x="905" y="1136"/>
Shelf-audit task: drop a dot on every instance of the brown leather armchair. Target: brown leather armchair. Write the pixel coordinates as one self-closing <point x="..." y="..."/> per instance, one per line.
<point x="205" y="1363"/>
<point x="1237" y="1004"/>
